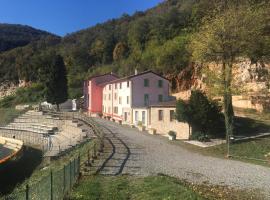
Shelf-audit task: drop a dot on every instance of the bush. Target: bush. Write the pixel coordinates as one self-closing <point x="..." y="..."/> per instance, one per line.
<point x="200" y="137"/>
<point x="140" y="123"/>
<point x="33" y="94"/>
<point x="172" y="133"/>
<point x="202" y="114"/>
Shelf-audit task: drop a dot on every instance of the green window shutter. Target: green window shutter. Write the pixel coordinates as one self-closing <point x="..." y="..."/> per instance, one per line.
<point x="160" y="83"/>
<point x="146" y="83"/>
<point x="146" y="99"/>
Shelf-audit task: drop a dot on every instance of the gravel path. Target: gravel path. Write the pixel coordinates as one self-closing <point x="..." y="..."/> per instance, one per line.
<point x="150" y="155"/>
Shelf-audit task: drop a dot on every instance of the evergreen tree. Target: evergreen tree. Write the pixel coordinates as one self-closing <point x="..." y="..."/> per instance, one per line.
<point x="55" y="81"/>
<point x="202" y="114"/>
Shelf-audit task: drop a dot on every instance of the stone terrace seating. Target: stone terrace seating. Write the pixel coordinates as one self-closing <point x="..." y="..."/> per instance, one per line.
<point x="60" y="134"/>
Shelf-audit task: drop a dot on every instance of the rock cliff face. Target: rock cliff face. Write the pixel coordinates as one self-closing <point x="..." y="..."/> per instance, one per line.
<point x="7" y="88"/>
<point x="252" y="78"/>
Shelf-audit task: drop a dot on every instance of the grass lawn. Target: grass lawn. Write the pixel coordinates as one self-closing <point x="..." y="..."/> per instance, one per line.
<point x="248" y="151"/>
<point x="251" y="151"/>
<point x="7" y="115"/>
<point x="125" y="187"/>
<point x="253" y="114"/>
<point x="151" y="188"/>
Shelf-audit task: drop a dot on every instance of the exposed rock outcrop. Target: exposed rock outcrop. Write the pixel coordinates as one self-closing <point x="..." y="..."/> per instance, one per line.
<point x="252" y="78"/>
<point x="7" y="88"/>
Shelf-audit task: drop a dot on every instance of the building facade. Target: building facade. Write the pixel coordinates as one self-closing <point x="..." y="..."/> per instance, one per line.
<point x="141" y="99"/>
<point x="122" y="96"/>
<point x="93" y="92"/>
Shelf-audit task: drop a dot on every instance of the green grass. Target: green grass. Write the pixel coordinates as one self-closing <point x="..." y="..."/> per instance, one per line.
<point x="249" y="126"/>
<point x="159" y="187"/>
<point x="253" y="114"/>
<point x="248" y="151"/>
<point x="16" y="171"/>
<point x="28" y="95"/>
<point x="252" y="151"/>
<point x="8" y="114"/>
<point x="125" y="187"/>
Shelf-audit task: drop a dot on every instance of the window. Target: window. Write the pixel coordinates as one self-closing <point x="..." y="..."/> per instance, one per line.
<point x="109" y="87"/>
<point x="115" y="86"/>
<point x="146" y="99"/>
<point x="115" y="110"/>
<point x="160" y="83"/>
<point x="146" y="82"/>
<point x="160" y="115"/>
<point x="115" y="96"/>
<point x="143" y="117"/>
<point x="128" y="84"/>
<point x="127" y="99"/>
<point x="172" y="117"/>
<point x="160" y="98"/>
<point x="136" y="116"/>
<point x="120" y="100"/>
<point x="120" y="86"/>
<point x="109" y="96"/>
<point x="104" y="96"/>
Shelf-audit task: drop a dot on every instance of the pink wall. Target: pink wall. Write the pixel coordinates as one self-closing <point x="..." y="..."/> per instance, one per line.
<point x="138" y="89"/>
<point x="94" y="90"/>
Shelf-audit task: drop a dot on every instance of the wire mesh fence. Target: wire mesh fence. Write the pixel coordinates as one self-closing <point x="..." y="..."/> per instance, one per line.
<point x="59" y="182"/>
<point x="53" y="186"/>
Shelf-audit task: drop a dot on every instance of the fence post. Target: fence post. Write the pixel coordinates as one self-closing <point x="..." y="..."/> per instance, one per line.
<point x="95" y="152"/>
<point x="51" y="185"/>
<point x="64" y="180"/>
<point x="88" y="157"/>
<point x="70" y="172"/>
<point x="27" y="192"/>
<point x="79" y="164"/>
<point x="74" y="170"/>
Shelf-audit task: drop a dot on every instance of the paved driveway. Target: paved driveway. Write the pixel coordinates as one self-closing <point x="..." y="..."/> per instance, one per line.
<point x="145" y="154"/>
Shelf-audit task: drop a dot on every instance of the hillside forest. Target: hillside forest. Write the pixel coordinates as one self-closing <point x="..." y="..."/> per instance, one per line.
<point x="162" y="39"/>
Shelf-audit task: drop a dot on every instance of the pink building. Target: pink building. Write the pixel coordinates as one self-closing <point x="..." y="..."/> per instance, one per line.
<point x="93" y="92"/>
<point x="142" y="99"/>
<point x="122" y="97"/>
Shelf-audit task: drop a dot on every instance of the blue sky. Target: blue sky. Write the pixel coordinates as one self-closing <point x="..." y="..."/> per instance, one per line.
<point x="66" y="16"/>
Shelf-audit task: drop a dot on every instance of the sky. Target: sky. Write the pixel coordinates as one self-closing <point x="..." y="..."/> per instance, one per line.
<point x="67" y="16"/>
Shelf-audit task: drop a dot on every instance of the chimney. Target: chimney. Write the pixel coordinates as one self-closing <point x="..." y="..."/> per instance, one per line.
<point x="136" y="71"/>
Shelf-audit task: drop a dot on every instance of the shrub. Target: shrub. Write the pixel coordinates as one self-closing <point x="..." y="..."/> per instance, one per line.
<point x="202" y="114"/>
<point x="200" y="137"/>
<point x="140" y="123"/>
<point x="172" y="133"/>
<point x="33" y="94"/>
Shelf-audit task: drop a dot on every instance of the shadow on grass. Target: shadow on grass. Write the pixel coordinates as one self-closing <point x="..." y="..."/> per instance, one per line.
<point x="249" y="127"/>
<point x="16" y="171"/>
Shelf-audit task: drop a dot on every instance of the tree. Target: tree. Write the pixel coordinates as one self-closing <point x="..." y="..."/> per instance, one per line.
<point x="97" y="50"/>
<point x="224" y="38"/>
<point x="202" y="114"/>
<point x="120" y="51"/>
<point x="173" y="55"/>
<point x="54" y="76"/>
